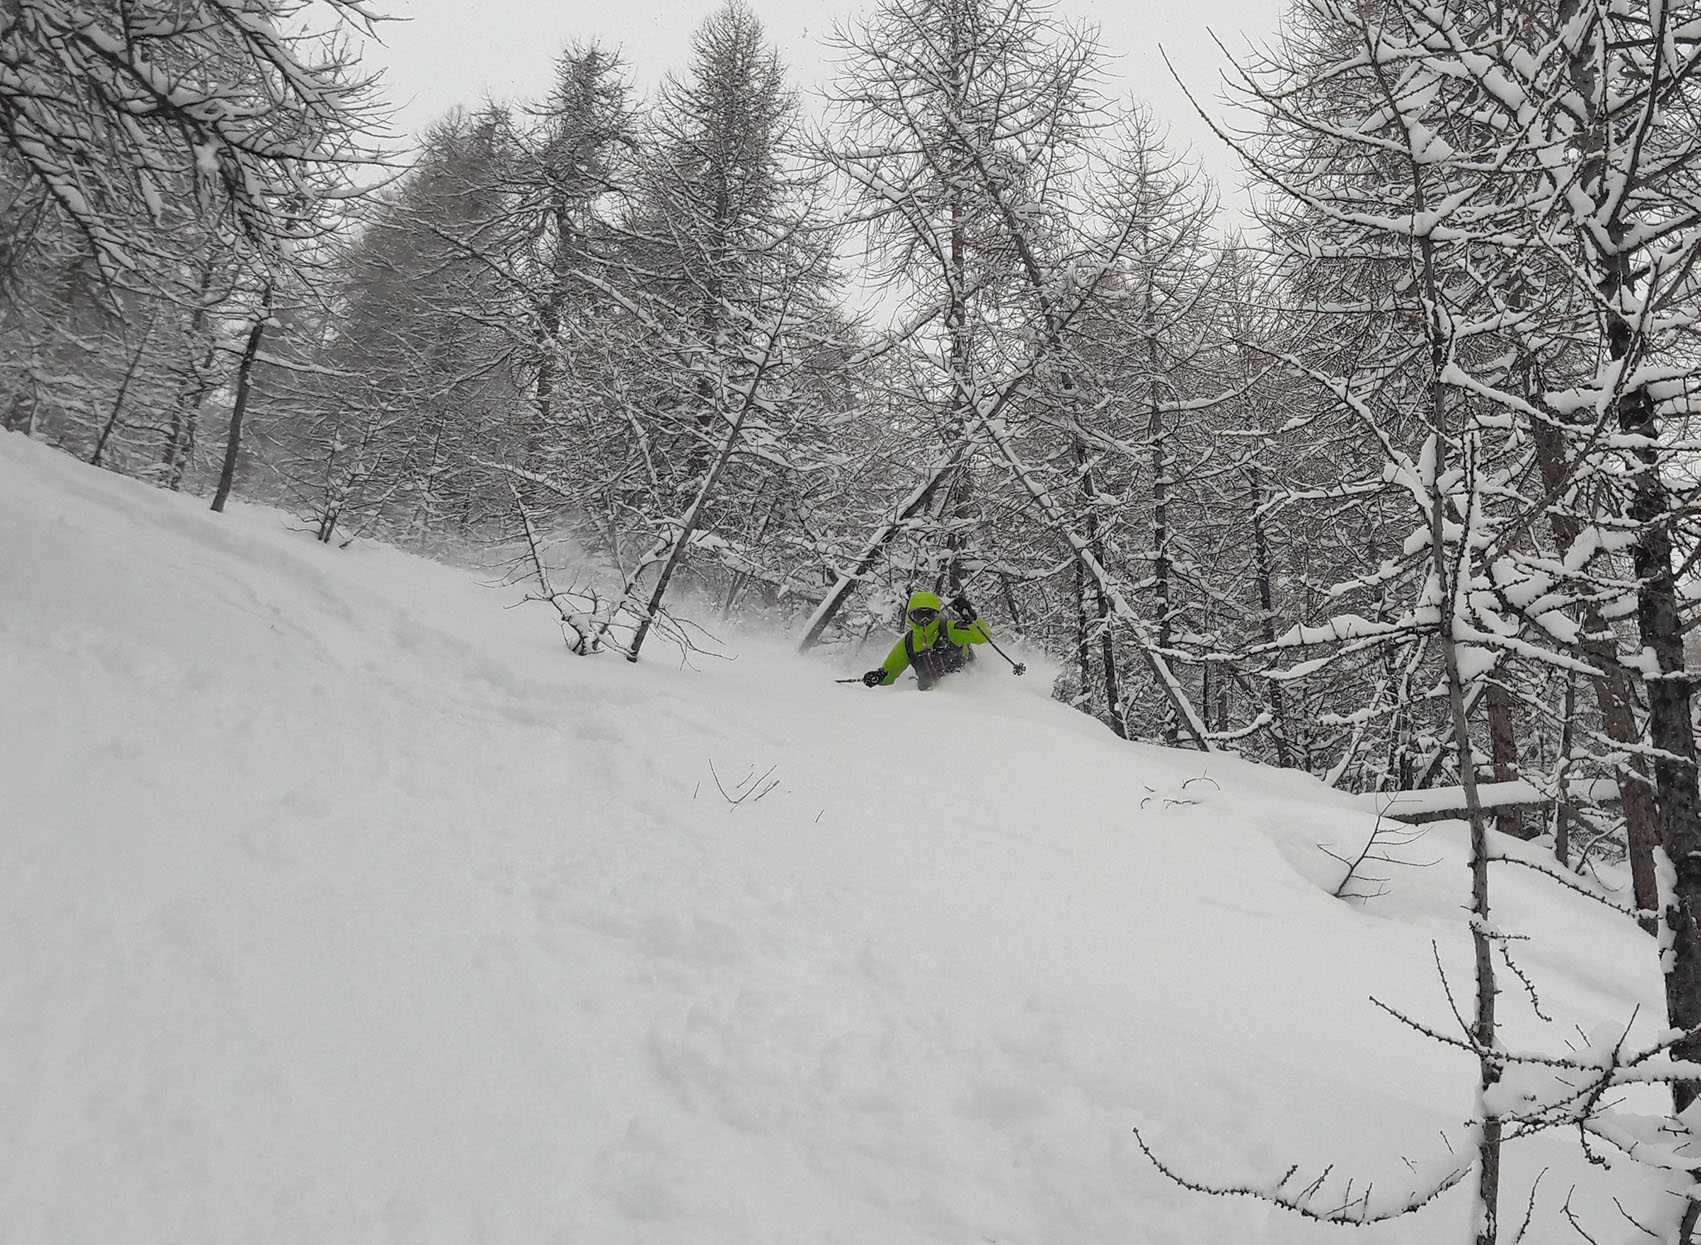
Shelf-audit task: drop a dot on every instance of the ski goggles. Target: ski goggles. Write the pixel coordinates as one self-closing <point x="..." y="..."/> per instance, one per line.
<point x="923" y="615"/>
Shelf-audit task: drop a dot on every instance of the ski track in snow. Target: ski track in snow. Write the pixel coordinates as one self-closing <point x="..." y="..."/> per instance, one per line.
<point x="340" y="904"/>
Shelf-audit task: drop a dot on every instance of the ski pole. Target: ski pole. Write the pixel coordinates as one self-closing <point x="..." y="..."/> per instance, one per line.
<point x="858" y="679"/>
<point x="1016" y="667"/>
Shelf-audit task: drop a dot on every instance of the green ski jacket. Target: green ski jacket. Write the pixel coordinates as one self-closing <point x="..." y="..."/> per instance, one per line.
<point x="955" y="633"/>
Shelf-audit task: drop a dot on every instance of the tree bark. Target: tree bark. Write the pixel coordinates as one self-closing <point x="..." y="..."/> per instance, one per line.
<point x="118" y="399"/>
<point x="1162" y="588"/>
<point x="883" y="536"/>
<point x="1114" y="714"/>
<point x="1264" y="562"/>
<point x="694" y="516"/>
<point x="244" y="383"/>
<point x="1671" y="732"/>
<point x="1611" y="687"/>
<point x="191" y="389"/>
<point x="1503" y="750"/>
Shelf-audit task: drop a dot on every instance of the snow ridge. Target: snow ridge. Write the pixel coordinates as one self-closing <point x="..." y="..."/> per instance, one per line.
<point x="340" y="904"/>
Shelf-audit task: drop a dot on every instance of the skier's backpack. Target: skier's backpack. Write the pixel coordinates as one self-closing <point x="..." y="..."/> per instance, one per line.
<point x="933" y="664"/>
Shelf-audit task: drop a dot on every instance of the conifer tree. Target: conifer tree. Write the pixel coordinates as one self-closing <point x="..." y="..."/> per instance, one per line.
<point x="970" y="132"/>
<point x="113" y="119"/>
<point x="401" y="385"/>
<point x="724" y="287"/>
<point x="1496" y="237"/>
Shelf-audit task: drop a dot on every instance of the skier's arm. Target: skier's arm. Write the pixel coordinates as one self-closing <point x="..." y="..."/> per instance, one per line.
<point x="967" y="633"/>
<point x="895" y="663"/>
<point x="972" y="628"/>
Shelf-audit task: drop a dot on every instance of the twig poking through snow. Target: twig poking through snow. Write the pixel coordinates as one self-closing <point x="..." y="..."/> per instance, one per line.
<point x="751" y="787"/>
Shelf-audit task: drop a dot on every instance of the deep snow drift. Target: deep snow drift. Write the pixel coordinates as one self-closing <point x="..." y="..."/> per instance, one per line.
<point x="339" y="903"/>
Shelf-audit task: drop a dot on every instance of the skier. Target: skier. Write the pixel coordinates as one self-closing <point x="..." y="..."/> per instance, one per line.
<point x="934" y="645"/>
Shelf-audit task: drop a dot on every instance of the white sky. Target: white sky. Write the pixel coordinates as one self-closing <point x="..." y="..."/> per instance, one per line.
<point x="452" y="52"/>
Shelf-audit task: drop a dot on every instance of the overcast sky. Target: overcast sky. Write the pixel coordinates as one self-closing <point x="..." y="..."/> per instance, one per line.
<point x="457" y="51"/>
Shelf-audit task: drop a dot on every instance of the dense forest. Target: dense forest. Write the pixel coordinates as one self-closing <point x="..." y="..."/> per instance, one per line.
<point x="1396" y="485"/>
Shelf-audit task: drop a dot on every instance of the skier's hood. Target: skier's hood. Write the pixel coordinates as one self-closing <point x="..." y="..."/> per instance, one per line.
<point x="924" y="601"/>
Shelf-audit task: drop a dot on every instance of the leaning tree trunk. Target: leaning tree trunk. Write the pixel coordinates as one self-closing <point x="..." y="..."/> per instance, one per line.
<point x="872" y="550"/>
<point x="118" y="399"/>
<point x="998" y="440"/>
<point x="694" y="516"/>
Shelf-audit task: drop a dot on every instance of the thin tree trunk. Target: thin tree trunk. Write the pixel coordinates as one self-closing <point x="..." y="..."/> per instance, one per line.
<point x="1162" y="588"/>
<point x="1264" y="562"/>
<point x="956" y="500"/>
<point x="1483" y="1030"/>
<point x="1612" y="696"/>
<point x="915" y="504"/>
<point x="1484" y="1035"/>
<point x="1114" y="714"/>
<point x="1562" y="800"/>
<point x="118" y="399"/>
<point x="244" y="383"/>
<point x="694" y="516"/>
<point x="1503" y="750"/>
<point x="682" y="540"/>
<point x="191" y="390"/>
<point x="1107" y="657"/>
<point x="1083" y="642"/>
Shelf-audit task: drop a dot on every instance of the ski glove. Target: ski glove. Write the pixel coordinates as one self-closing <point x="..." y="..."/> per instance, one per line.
<point x="874" y="678"/>
<point x="965" y="611"/>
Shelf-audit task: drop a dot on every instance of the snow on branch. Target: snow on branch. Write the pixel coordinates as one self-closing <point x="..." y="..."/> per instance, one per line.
<point x="1323" y="1196"/>
<point x="125" y="120"/>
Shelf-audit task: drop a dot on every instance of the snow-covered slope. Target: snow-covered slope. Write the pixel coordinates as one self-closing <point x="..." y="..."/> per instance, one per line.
<point x="338" y="903"/>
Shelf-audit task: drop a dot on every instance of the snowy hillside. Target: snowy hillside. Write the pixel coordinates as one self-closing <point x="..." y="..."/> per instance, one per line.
<point x="340" y="904"/>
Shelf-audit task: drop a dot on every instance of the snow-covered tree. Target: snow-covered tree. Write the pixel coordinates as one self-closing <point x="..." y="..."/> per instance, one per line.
<point x="970" y="133"/>
<point x="388" y="395"/>
<point x="730" y="273"/>
<point x="113" y="117"/>
<point x="1490" y="214"/>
